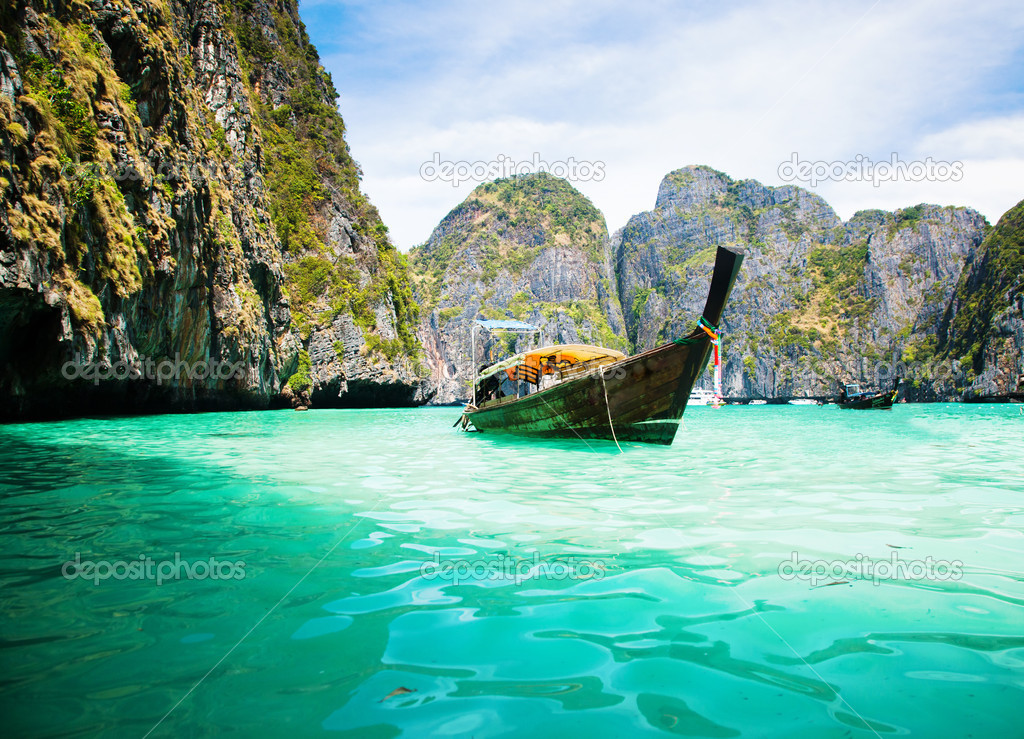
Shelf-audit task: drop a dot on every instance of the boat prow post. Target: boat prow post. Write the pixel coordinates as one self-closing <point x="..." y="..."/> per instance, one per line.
<point x="727" y="267"/>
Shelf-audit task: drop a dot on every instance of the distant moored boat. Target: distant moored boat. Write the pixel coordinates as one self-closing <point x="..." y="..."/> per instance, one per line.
<point x="700" y="396"/>
<point x="852" y="397"/>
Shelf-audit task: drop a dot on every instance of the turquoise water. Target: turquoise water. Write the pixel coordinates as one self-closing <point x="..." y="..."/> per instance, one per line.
<point x="380" y="574"/>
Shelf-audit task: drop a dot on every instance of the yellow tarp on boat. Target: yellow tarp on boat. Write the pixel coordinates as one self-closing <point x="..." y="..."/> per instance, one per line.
<point x="549" y="359"/>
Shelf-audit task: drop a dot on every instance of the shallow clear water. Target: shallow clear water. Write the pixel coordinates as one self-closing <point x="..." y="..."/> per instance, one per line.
<point x="655" y="603"/>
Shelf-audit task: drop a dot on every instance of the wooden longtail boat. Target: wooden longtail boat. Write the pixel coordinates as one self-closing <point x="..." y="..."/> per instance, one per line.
<point x="599" y="393"/>
<point x="852" y="397"/>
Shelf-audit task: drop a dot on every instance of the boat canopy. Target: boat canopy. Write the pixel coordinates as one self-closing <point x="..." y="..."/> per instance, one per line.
<point x="549" y="359"/>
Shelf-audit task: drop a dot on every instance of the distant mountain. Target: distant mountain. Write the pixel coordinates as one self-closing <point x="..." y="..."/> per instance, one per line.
<point x="818" y="301"/>
<point x="984" y="323"/>
<point x="529" y="247"/>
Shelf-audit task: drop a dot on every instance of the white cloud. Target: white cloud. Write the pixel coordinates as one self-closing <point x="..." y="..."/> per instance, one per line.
<point x="988" y="139"/>
<point x="651" y="87"/>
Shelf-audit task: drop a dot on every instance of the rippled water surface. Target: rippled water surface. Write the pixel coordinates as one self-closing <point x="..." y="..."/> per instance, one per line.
<point x="379" y="574"/>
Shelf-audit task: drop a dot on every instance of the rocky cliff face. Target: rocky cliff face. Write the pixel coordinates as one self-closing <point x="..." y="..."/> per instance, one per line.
<point x="818" y="301"/>
<point x="530" y="248"/>
<point x="983" y="325"/>
<point x="182" y="228"/>
<point x="177" y="192"/>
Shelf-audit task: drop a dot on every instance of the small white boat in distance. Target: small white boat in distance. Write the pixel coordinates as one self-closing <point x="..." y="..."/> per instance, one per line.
<point x="700" y="396"/>
<point x="758" y="402"/>
<point x="803" y="401"/>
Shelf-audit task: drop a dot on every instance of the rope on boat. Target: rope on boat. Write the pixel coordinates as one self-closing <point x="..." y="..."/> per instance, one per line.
<point x="608" y="408"/>
<point x="710" y="330"/>
<point x="703" y="325"/>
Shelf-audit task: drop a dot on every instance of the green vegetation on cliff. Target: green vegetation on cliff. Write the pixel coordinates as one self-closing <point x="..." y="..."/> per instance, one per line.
<point x="94" y="239"/>
<point x="504" y="226"/>
<point x="997" y="279"/>
<point x="530" y="203"/>
<point x="837" y="275"/>
<point x="308" y="160"/>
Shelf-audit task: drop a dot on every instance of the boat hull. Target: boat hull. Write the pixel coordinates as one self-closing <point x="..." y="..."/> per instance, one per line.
<point x="880" y="401"/>
<point x="641" y="398"/>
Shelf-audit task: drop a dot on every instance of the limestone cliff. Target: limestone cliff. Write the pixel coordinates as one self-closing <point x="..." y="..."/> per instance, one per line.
<point x="177" y="189"/>
<point x="529" y="247"/>
<point x="818" y="301"/>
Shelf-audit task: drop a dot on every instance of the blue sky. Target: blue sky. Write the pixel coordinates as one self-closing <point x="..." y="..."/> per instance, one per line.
<point x="647" y="87"/>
